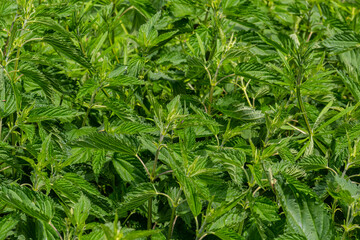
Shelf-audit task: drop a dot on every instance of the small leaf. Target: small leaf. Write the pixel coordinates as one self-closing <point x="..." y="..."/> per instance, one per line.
<point x="123" y="80"/>
<point x="137" y="196"/>
<point x="72" y="186"/>
<point x="133" y="235"/>
<point x="192" y="197"/>
<point x="7" y="97"/>
<point x="265" y="209"/>
<point x="66" y="47"/>
<point x="99" y="159"/>
<point x="344" y="190"/>
<point x="313" y="162"/>
<point x="228" y="234"/>
<point x="81" y="210"/>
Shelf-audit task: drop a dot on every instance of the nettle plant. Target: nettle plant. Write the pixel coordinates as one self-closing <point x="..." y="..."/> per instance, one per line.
<point x="179" y="119"/>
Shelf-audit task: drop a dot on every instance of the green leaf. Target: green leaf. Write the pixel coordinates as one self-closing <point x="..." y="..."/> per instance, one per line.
<point x="66" y="47"/>
<point x="313" y="163"/>
<point x="342" y="42"/>
<point x="137" y="196"/>
<point x="201" y="45"/>
<point x="336" y="117"/>
<point x="107" y="142"/>
<point x="39" y="79"/>
<point x="133" y="128"/>
<point x="343" y="189"/>
<point x="7" y="223"/>
<point x="98" y="46"/>
<point x="50" y="113"/>
<point x="291" y="236"/>
<point x="30" y="202"/>
<point x="351" y="83"/>
<point x="304" y="215"/>
<point x="265" y="209"/>
<point x="228" y="234"/>
<point x="7" y="97"/>
<point x="94" y="235"/>
<point x="254" y="71"/>
<point x="133" y="235"/>
<point x="164" y="37"/>
<point x="123" y="80"/>
<point x="99" y="159"/>
<point x="127" y="170"/>
<point x="73" y="187"/>
<point x="192" y="197"/>
<point x="82" y="210"/>
<point x="299" y="186"/>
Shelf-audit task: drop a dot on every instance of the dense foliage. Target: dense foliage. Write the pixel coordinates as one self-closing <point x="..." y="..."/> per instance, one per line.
<point x="180" y="119"/>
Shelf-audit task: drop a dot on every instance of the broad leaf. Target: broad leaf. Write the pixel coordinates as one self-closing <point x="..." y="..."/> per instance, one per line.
<point x="304" y="215"/>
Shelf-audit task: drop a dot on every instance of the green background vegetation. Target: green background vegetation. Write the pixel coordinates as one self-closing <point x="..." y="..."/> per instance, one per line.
<point x="179" y="119"/>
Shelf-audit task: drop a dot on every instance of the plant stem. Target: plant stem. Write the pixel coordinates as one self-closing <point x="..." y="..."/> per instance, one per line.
<point x="0" y="128"/>
<point x="244" y="87"/>
<point x="300" y="101"/>
<point x="241" y="227"/>
<point x="203" y="236"/>
<point x="149" y="220"/>
<point x="142" y="162"/>
<point x="347" y="223"/>
<point x="156" y="158"/>
<point x="211" y="98"/>
<point x="56" y="230"/>
<point x="152" y="178"/>
<point x="10" y="131"/>
<point x="90" y="106"/>
<point x="213" y="84"/>
<point x="172" y="218"/>
<point x="302" y="109"/>
<point x="199" y="236"/>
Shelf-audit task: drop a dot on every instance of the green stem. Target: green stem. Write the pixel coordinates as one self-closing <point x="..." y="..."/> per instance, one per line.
<point x="149" y="220"/>
<point x="172" y="218"/>
<point x="211" y="98"/>
<point x="9" y="133"/>
<point x="12" y="116"/>
<point x="90" y="106"/>
<point x="241" y="227"/>
<point x="302" y="109"/>
<point x="0" y="128"/>
<point x="202" y="228"/>
<point x="152" y="178"/>
<point x="347" y="223"/>
<point x="56" y="230"/>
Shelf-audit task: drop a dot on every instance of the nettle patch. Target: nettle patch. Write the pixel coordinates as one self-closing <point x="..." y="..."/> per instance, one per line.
<point x="179" y="119"/>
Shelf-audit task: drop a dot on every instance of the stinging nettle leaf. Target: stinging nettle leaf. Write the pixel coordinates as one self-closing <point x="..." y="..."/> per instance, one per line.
<point x="123" y="80"/>
<point x="30" y="202"/>
<point x="7" y="97"/>
<point x="66" y="47"/>
<point x="137" y="196"/>
<point x="49" y="113"/>
<point x="7" y="223"/>
<point x="305" y="216"/>
<point x="102" y="140"/>
<point x="313" y="162"/>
